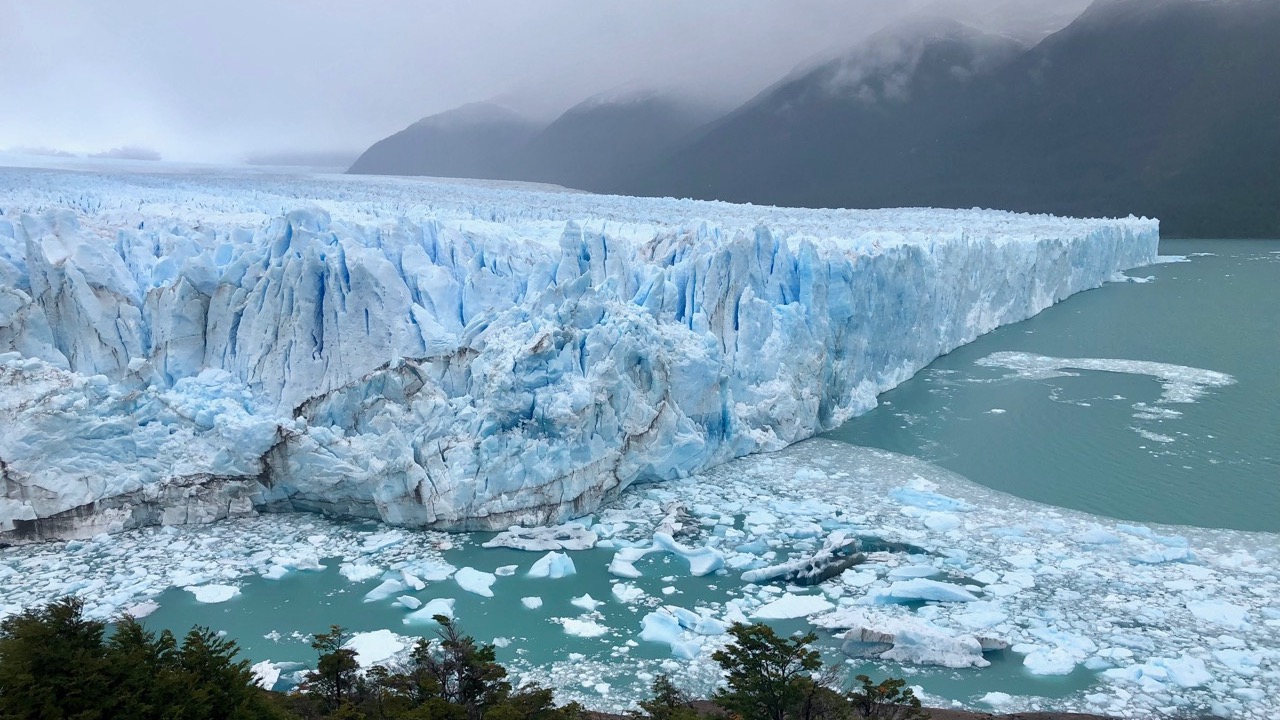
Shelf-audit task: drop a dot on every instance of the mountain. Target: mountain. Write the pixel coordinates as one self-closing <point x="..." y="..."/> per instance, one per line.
<point x="592" y="146"/>
<point x="1166" y="108"/>
<point x="597" y="143"/>
<point x="847" y="132"/>
<point x="473" y="141"/>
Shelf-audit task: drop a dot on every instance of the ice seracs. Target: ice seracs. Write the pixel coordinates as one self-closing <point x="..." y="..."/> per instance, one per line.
<point x="460" y="355"/>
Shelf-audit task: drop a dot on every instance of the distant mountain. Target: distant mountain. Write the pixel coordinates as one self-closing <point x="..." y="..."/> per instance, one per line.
<point x="128" y="152"/>
<point x="592" y="146"/>
<point x="848" y="132"/>
<point x="1168" y="108"/>
<point x="598" y="143"/>
<point x="479" y="140"/>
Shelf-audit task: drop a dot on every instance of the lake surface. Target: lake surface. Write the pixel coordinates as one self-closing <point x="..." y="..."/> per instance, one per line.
<point x="1074" y="441"/>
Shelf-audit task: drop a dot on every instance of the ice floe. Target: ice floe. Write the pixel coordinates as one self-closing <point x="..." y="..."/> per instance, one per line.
<point x="475" y="581"/>
<point x="377" y="646"/>
<point x="552" y="565"/>
<point x="793" y="606"/>
<point x="427" y="613"/>
<point x="213" y="593"/>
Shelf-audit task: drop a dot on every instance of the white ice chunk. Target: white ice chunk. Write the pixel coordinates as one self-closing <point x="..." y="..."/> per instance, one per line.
<point x="385" y="590"/>
<point x="793" y="606"/>
<point x="213" y="593"/>
<point x="1220" y="612"/>
<point x="375" y="647"/>
<point x="265" y="674"/>
<point x="552" y="565"/>
<point x="359" y="572"/>
<point x="475" y="581"/>
<point x="437" y="606"/>
<point x="583" y="627"/>
<point x="626" y="593"/>
<point x="921" y="589"/>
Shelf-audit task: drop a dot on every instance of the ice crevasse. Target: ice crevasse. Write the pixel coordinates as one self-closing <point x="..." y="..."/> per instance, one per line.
<point x="461" y="355"/>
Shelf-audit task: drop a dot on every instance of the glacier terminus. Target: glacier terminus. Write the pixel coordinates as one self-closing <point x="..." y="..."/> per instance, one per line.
<point x="187" y="347"/>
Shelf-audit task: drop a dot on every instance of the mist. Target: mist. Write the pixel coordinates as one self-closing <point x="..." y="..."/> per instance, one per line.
<point x="223" y="81"/>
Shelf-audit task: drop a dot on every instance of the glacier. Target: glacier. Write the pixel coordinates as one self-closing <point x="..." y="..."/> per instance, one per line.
<point x="190" y="346"/>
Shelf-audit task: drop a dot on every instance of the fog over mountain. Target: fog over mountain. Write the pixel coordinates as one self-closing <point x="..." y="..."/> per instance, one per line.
<point x="1165" y="108"/>
<point x="224" y="81"/>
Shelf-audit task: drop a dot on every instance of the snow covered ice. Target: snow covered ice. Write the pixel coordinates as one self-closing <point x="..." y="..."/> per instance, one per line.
<point x="185" y="348"/>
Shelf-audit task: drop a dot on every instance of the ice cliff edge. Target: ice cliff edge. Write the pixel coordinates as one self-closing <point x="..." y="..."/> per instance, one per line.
<point x="459" y="355"/>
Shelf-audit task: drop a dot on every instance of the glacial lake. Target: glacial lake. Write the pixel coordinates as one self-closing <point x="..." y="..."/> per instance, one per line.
<point x="1080" y="475"/>
<point x="1078" y="441"/>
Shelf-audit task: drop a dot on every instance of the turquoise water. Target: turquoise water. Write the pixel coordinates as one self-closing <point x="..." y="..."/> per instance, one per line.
<point x="1074" y="442"/>
<point x="272" y="619"/>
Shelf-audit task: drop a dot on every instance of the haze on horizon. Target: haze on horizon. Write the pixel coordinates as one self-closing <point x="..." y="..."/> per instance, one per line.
<point x="220" y="82"/>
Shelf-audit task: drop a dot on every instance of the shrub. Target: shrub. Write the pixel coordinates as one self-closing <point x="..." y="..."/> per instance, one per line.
<point x="890" y="700"/>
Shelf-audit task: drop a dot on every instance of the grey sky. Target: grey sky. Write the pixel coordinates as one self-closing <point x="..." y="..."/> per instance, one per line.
<point x="217" y="80"/>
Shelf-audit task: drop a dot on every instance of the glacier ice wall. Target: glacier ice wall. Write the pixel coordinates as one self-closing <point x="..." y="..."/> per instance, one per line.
<point x="462" y="355"/>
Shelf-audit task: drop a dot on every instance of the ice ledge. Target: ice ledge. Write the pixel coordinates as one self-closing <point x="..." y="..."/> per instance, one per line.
<point x="466" y="373"/>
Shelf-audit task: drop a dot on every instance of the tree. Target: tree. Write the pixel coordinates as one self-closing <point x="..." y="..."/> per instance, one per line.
<point x="210" y="684"/>
<point x="145" y="679"/>
<point x="53" y="664"/>
<point x="773" y="678"/>
<point x="890" y="700"/>
<point x="668" y="702"/>
<point x="334" y="679"/>
<point x="460" y="671"/>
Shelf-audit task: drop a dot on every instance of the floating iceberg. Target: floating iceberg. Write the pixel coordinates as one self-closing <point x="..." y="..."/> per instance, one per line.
<point x="376" y="646"/>
<point x="213" y="593"/>
<point x="475" y="581"/>
<point x="553" y="565"/>
<point x="428" y="612"/>
<point x="459" y="355"/>
<point x="793" y="606"/>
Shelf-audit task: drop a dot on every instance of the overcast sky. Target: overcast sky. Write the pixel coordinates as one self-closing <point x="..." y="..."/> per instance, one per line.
<point x="218" y="80"/>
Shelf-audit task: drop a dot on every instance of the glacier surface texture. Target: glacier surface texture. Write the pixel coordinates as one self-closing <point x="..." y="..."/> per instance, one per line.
<point x="186" y="347"/>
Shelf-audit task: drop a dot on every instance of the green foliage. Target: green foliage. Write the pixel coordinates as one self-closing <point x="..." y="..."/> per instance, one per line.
<point x="772" y="678"/>
<point x="335" y="677"/>
<point x="459" y="671"/>
<point x="668" y="702"/>
<point x="890" y="700"/>
<point x="54" y="663"/>
<point x="448" y="677"/>
<point x="57" y="665"/>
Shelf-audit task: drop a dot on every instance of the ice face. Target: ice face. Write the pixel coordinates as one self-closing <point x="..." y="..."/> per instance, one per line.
<point x="184" y="349"/>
